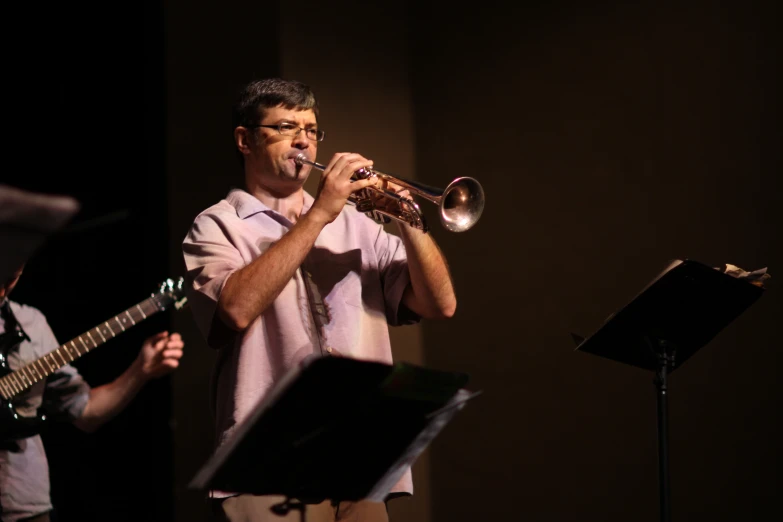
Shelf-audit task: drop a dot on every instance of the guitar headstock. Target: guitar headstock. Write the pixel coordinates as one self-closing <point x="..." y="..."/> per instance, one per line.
<point x="171" y="293"/>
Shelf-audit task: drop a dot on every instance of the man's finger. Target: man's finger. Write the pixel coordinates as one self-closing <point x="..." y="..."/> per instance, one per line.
<point x="158" y="336"/>
<point x="175" y="344"/>
<point x="361" y="184"/>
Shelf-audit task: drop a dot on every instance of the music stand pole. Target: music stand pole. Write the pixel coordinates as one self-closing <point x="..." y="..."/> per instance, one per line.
<point x="665" y="354"/>
<point x="679" y="312"/>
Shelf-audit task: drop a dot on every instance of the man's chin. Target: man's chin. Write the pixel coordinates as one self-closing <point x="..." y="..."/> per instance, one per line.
<point x="297" y="178"/>
<point x="298" y="175"/>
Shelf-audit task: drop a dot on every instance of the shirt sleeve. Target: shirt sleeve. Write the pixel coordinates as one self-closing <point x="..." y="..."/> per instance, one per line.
<point x="66" y="393"/>
<point x="395" y="278"/>
<point x="210" y="258"/>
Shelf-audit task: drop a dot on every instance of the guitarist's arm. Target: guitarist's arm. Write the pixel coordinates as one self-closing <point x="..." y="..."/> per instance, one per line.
<point x="159" y="355"/>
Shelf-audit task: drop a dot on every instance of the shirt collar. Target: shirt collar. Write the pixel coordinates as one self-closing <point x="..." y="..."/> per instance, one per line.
<point x="247" y="205"/>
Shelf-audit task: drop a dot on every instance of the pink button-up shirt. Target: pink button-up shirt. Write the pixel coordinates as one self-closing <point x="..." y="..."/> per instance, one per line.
<point x="343" y="297"/>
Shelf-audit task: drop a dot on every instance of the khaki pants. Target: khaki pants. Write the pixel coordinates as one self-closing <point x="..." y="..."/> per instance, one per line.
<point x="251" y="508"/>
<point x="37" y="518"/>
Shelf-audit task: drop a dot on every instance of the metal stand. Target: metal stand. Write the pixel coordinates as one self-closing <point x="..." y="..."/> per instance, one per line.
<point x="677" y="313"/>
<point x="665" y="353"/>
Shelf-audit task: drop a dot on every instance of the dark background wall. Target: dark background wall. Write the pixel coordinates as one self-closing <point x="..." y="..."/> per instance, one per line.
<point x="609" y="139"/>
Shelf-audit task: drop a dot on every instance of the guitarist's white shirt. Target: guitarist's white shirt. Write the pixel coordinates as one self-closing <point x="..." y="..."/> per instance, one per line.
<point x="24" y="470"/>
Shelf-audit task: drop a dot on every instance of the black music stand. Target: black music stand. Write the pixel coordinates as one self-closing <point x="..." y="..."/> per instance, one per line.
<point x="335" y="428"/>
<point x="26" y="220"/>
<point x="680" y="311"/>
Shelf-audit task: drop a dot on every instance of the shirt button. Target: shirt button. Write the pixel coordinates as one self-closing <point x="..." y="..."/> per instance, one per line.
<point x="328" y="349"/>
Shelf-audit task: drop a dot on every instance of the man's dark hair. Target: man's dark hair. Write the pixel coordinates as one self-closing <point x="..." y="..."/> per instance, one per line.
<point x="259" y="95"/>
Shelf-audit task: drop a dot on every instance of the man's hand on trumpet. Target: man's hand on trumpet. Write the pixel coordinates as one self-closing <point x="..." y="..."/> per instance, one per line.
<point x="336" y="186"/>
<point x="382" y="202"/>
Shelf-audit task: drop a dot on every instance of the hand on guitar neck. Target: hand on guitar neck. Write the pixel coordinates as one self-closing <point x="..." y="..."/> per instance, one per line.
<point x="159" y="355"/>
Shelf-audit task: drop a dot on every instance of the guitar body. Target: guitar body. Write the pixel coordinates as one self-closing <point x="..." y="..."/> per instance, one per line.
<point x="14" y="426"/>
<point x="13" y="383"/>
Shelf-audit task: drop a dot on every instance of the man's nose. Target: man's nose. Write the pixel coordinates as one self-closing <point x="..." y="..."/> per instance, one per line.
<point x="300" y="140"/>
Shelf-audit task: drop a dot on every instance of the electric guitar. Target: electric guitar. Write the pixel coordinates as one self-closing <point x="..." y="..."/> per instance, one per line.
<point x="13" y="383"/>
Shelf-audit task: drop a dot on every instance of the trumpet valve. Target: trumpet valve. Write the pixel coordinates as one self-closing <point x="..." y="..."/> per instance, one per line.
<point x="365" y="174"/>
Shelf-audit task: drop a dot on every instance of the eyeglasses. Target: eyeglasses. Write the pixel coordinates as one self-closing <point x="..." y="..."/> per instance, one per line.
<point x="291" y="129"/>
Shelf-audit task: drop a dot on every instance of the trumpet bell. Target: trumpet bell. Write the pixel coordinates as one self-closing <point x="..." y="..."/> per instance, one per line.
<point x="461" y="204"/>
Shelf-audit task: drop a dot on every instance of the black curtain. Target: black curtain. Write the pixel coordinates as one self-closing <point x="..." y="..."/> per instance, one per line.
<point x="85" y="103"/>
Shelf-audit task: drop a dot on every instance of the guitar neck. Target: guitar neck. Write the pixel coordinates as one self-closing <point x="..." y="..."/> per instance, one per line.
<point x="23" y="378"/>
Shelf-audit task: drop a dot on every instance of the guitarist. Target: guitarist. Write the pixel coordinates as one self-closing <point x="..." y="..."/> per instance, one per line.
<point x="25" y="335"/>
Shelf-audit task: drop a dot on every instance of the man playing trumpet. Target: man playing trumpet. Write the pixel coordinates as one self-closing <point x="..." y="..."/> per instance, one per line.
<point x="276" y="275"/>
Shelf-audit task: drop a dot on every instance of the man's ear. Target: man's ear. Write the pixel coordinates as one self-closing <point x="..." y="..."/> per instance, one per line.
<point x="242" y="139"/>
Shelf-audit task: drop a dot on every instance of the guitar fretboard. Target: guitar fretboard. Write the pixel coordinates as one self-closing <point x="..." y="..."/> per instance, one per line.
<point x="23" y="378"/>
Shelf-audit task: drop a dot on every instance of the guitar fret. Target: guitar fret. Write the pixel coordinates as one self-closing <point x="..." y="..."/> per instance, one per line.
<point x="25" y="377"/>
<point x="110" y="329"/>
<point x="66" y="353"/>
<point x="54" y="360"/>
<point x="40" y="364"/>
<point x="73" y="349"/>
<point x="17" y="385"/>
<point x="5" y="389"/>
<point x="61" y="356"/>
<point x="141" y="312"/>
<point x="86" y="348"/>
<point x="22" y="378"/>
<point x="23" y="381"/>
<point x="20" y="383"/>
<point x="98" y="330"/>
<point x="17" y="382"/>
<point x="119" y="323"/>
<point x="32" y="374"/>
<point x="51" y="368"/>
<point x="130" y="317"/>
<point x="94" y="344"/>
<point x="10" y="384"/>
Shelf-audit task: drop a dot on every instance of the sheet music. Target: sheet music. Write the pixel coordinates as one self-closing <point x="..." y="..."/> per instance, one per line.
<point x="757" y="277"/>
<point x="437" y="422"/>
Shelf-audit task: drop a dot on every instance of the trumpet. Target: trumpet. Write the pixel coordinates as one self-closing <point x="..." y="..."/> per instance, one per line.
<point x="460" y="203"/>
